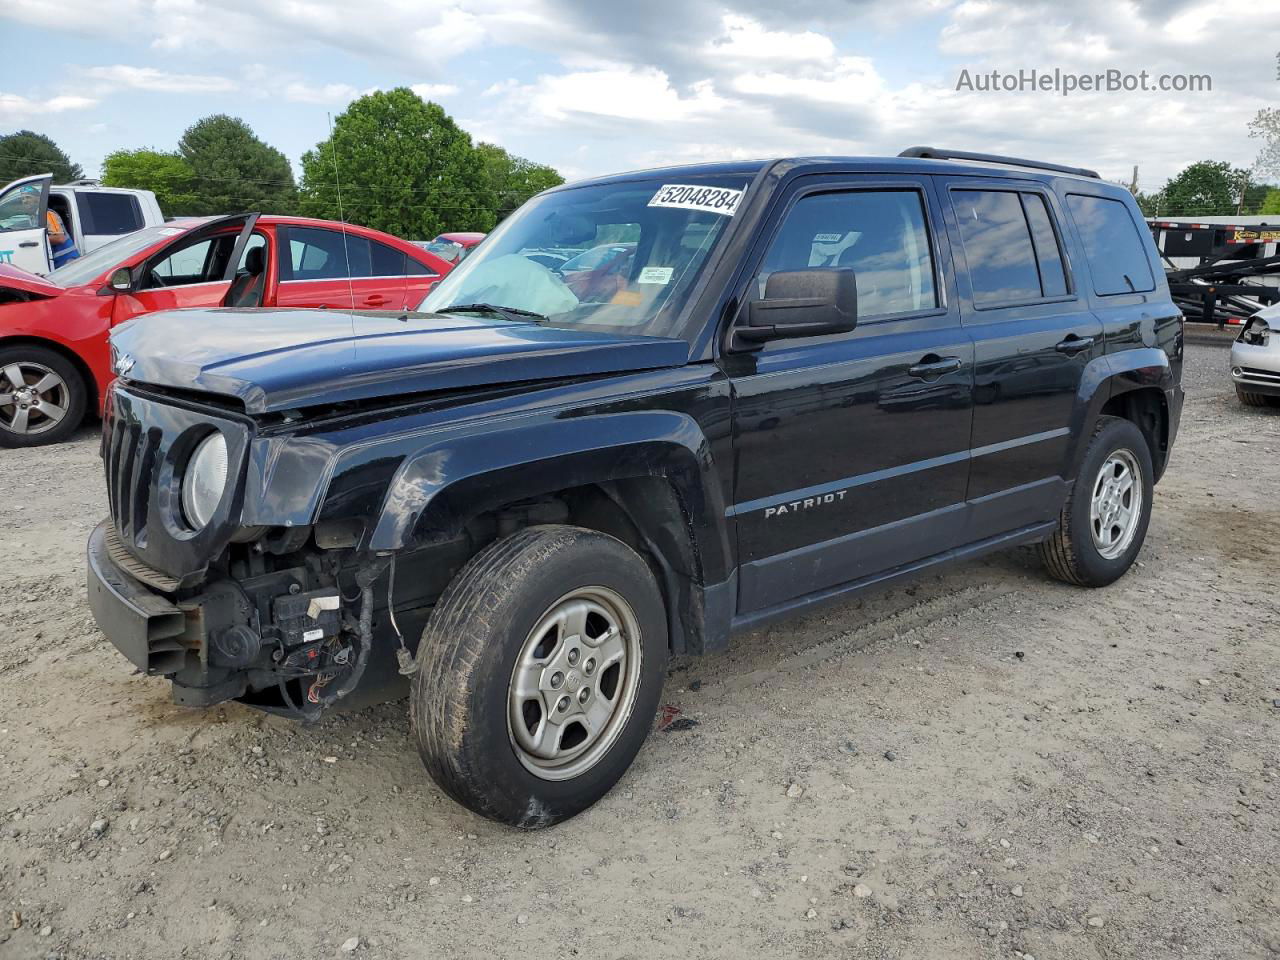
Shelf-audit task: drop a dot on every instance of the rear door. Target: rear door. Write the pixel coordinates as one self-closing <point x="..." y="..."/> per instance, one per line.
<point x="23" y="237"/>
<point x="420" y="278"/>
<point x="380" y="273"/>
<point x="1034" y="334"/>
<point x="852" y="448"/>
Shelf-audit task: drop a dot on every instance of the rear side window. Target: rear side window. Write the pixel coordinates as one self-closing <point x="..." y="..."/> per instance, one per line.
<point x="416" y="268"/>
<point x="881" y="234"/>
<point x="1053" y="277"/>
<point x="318" y="254"/>
<point x="386" y="261"/>
<point x="997" y="247"/>
<point x="108" y="214"/>
<point x="1117" y="255"/>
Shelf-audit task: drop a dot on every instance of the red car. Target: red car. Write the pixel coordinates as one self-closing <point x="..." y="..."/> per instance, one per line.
<point x="452" y="246"/>
<point x="54" y="358"/>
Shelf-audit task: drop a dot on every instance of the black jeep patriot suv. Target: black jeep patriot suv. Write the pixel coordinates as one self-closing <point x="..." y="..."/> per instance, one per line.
<point x="651" y="410"/>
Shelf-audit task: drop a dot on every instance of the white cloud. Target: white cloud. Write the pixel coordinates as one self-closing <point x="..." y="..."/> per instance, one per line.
<point x="434" y="91"/>
<point x="158" y="81"/>
<point x="18" y="109"/>
<point x="746" y="39"/>
<point x="620" y="85"/>
<point x="329" y="93"/>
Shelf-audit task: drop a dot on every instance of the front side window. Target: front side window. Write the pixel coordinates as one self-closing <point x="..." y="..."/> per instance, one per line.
<point x="111" y="255"/>
<point x="1116" y="252"/>
<point x="621" y="256"/>
<point x="22" y="208"/>
<point x="200" y="261"/>
<point x="881" y="234"/>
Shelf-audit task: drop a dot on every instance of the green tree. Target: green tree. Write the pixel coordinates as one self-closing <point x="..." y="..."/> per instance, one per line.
<point x="1206" y="188"/>
<point x="512" y="179"/>
<point x="1265" y="126"/>
<point x="1271" y="203"/>
<point x="166" y="175"/>
<point x="403" y="165"/>
<point x="26" y="153"/>
<point x="234" y="170"/>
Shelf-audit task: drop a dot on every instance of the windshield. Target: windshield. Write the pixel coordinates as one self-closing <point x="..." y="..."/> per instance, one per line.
<point x="622" y="256"/>
<point x="91" y="265"/>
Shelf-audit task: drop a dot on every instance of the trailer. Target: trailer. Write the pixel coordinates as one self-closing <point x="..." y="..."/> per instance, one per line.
<point x="1220" y="271"/>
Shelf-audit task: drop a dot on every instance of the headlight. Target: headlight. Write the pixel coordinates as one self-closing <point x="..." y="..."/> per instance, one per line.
<point x="205" y="480"/>
<point x="1256" y="334"/>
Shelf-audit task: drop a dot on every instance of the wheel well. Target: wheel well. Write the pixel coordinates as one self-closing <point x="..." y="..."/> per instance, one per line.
<point x="90" y="384"/>
<point x="1149" y="412"/>
<point x="645" y="513"/>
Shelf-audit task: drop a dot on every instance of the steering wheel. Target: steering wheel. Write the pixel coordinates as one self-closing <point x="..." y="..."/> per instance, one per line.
<point x="154" y="279"/>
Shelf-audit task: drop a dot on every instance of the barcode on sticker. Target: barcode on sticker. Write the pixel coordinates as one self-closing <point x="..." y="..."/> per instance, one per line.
<point x="720" y="200"/>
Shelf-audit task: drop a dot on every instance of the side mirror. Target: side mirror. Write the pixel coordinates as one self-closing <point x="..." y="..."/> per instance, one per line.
<point x="801" y="303"/>
<point x="121" y="280"/>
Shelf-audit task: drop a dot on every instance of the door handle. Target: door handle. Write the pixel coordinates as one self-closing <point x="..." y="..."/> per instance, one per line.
<point x="29" y="243"/>
<point x="932" y="367"/>
<point x="1074" y="344"/>
<point x="375" y="299"/>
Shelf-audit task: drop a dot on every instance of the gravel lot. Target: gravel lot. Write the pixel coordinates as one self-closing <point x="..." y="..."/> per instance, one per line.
<point x="984" y="764"/>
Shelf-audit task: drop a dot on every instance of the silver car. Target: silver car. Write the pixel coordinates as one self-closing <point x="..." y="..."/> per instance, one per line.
<point x="1255" y="359"/>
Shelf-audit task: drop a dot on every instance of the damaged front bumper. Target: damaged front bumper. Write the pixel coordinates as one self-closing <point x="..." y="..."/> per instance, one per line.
<point x="230" y="639"/>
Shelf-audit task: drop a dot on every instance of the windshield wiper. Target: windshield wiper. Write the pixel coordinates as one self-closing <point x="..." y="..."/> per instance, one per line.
<point x="513" y="314"/>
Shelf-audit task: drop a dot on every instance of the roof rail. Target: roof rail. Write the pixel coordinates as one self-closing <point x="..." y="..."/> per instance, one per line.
<point x="934" y="153"/>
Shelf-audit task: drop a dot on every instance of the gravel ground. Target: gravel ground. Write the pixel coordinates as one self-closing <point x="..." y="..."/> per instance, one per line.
<point x="983" y="764"/>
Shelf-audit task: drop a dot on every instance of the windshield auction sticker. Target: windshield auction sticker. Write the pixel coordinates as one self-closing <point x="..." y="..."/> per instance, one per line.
<point x="660" y="275"/>
<point x="709" y="199"/>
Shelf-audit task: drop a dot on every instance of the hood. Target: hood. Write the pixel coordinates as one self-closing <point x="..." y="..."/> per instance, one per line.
<point x="16" y="279"/>
<point x="280" y="359"/>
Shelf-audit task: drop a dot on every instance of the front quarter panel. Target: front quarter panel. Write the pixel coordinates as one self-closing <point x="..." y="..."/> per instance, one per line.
<point x="414" y="476"/>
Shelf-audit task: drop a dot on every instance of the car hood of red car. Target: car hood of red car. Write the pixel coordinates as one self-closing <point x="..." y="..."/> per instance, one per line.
<point x="18" y="279"/>
<point x="273" y="360"/>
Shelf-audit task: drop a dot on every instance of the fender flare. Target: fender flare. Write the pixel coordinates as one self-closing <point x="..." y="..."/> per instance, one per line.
<point x="1110" y="376"/>
<point x="439" y="488"/>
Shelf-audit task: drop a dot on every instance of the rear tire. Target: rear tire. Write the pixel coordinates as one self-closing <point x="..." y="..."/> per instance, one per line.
<point x="539" y="673"/>
<point x="1104" y="522"/>
<point x="1256" y="399"/>
<point x="42" y="397"/>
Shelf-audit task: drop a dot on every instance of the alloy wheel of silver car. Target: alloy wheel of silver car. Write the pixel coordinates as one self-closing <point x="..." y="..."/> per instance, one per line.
<point x="1115" y="508"/>
<point x="33" y="398"/>
<point x="574" y="683"/>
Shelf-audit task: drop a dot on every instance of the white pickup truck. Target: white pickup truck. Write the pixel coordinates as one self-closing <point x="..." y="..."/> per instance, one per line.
<point x="94" y="214"/>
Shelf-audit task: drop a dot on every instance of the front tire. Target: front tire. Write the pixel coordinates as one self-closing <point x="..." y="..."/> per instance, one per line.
<point x="540" y="671"/>
<point x="1104" y="522"/>
<point x="42" y="397"/>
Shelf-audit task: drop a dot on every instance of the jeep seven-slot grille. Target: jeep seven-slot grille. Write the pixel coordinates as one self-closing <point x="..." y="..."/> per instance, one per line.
<point x="130" y="462"/>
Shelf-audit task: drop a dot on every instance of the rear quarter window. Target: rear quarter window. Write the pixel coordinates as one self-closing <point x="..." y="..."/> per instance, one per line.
<point x="109" y="214"/>
<point x="1114" y="248"/>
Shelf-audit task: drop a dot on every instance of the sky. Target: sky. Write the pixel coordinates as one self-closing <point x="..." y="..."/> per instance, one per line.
<point x="594" y="87"/>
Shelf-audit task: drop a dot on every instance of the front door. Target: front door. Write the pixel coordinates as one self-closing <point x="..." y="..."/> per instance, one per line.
<point x="852" y="449"/>
<point x="23" y="237"/>
<point x="1034" y="335"/>
<point x="195" y="270"/>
